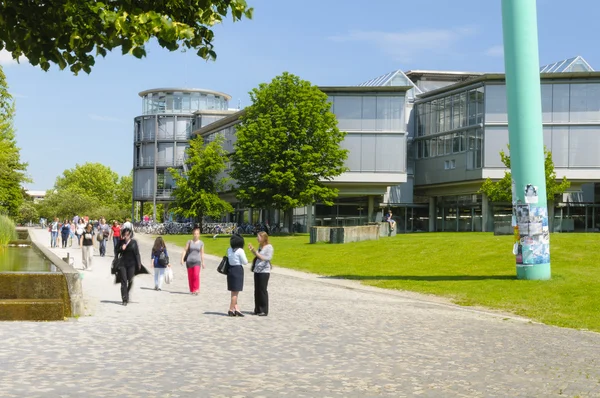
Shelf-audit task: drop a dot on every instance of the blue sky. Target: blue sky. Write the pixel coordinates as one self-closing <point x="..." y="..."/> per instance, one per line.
<point x="63" y="119"/>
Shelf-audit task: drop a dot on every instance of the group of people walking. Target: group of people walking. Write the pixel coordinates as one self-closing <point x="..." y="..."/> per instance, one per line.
<point x="128" y="262"/>
<point x="193" y="259"/>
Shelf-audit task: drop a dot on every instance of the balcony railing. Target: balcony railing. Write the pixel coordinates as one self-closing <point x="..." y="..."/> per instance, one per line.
<point x="160" y="163"/>
<point x="149" y="194"/>
<point x="149" y="137"/>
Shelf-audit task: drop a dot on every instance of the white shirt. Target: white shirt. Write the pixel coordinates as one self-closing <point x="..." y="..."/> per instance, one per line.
<point x="236" y="258"/>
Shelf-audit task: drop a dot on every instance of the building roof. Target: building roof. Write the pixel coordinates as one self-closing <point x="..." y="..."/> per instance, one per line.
<point x="35" y="193"/>
<point x="575" y="64"/>
<point x="501" y="77"/>
<point x="364" y="89"/>
<point x="184" y="90"/>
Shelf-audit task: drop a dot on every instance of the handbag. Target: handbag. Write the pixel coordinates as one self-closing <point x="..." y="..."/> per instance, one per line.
<point x="223" y="267"/>
<point x="187" y="252"/>
<point x="100" y="237"/>
<point x="115" y="265"/>
<point x="169" y="275"/>
<point x="254" y="264"/>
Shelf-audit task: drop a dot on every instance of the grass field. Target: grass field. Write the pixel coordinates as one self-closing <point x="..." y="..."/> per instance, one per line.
<point x="468" y="268"/>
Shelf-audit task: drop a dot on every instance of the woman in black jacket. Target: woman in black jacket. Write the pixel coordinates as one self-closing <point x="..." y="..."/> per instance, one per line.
<point x="130" y="263"/>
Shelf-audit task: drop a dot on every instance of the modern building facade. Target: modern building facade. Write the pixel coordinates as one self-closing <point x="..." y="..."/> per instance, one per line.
<point x="375" y="121"/>
<point x="422" y="143"/>
<point x="162" y="134"/>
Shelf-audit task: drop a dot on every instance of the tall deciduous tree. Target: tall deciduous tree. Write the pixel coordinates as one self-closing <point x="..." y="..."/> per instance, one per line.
<point x="73" y="32"/>
<point x="197" y="190"/>
<point x="12" y="170"/>
<point x="92" y="179"/>
<point x="501" y="191"/>
<point x="288" y="145"/>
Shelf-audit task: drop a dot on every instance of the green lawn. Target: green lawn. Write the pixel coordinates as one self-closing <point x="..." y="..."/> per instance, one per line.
<point x="469" y="268"/>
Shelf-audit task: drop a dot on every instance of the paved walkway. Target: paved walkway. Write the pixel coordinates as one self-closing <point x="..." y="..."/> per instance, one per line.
<point x="322" y="338"/>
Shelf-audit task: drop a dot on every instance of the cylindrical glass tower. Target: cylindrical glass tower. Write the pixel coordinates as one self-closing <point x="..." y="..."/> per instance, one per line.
<point x="162" y="133"/>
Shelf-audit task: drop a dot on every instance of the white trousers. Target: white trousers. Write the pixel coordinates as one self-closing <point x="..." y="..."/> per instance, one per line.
<point x="87" y="252"/>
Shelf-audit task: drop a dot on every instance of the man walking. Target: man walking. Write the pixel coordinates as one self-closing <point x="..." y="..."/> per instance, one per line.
<point x="104" y="230"/>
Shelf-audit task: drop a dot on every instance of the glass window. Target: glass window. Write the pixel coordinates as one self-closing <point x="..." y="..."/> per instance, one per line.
<point x="441" y="119"/>
<point x="195" y="102"/>
<point x="177" y="102"/>
<point x="348" y="110"/>
<point x="369" y="113"/>
<point x="186" y="104"/>
<point x="455" y="143"/>
<point x="428" y="126"/>
<point x="463" y="109"/>
<point x="495" y="103"/>
<point x="448" y="144"/>
<point x="456" y="112"/>
<point x="560" y="103"/>
<point x="480" y="110"/>
<point x="426" y="147"/>
<point x="419" y="150"/>
<point x="472" y="108"/>
<point x="463" y="141"/>
<point x="433" y="148"/>
<point x="546" y="102"/>
<point x="435" y="115"/>
<point x="389" y="113"/>
<point x="440" y="146"/>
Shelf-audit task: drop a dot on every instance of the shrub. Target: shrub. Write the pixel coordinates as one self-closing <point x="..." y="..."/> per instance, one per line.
<point x="8" y="231"/>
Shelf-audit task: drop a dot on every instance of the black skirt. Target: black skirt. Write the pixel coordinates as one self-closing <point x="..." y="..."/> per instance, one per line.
<point x="235" y="278"/>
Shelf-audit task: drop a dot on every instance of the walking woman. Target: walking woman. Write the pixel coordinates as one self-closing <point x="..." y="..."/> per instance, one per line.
<point x="87" y="247"/>
<point x="261" y="266"/>
<point x="80" y="231"/>
<point x="115" y="232"/>
<point x="235" y="275"/>
<point x="65" y="232"/>
<point x="160" y="262"/>
<point x="193" y="257"/>
<point x="130" y="263"/>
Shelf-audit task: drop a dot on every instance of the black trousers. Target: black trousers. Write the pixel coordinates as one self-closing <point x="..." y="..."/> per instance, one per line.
<point x="126" y="274"/>
<point x="261" y="295"/>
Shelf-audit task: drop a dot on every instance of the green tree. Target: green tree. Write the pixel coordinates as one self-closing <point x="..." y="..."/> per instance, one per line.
<point x="12" y="170"/>
<point x="93" y="180"/>
<point x="67" y="203"/>
<point x="197" y="190"/>
<point x="288" y="145"/>
<point x="73" y="32"/>
<point x="501" y="191"/>
<point x="27" y="212"/>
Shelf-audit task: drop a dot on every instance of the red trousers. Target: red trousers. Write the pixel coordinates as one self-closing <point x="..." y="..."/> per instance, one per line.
<point x="194" y="278"/>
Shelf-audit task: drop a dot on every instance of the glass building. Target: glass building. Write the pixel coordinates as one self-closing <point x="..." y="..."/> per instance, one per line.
<point x="162" y="134"/>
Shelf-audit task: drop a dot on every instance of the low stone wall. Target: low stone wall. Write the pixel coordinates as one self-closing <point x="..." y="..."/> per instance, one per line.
<point x="385" y="229"/>
<point x="73" y="281"/>
<point x="34" y="296"/>
<point x="345" y="234"/>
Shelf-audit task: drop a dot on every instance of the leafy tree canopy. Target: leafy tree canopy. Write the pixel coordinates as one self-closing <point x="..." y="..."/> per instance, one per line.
<point x="288" y="144"/>
<point x="197" y="190"/>
<point x="501" y="191"/>
<point x="12" y="170"/>
<point x="73" y="32"/>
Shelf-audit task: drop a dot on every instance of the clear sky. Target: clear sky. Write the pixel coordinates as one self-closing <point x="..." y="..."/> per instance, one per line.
<point x="64" y="119"/>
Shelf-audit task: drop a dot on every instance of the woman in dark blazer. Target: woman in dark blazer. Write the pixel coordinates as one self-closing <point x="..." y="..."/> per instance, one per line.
<point x="130" y="263"/>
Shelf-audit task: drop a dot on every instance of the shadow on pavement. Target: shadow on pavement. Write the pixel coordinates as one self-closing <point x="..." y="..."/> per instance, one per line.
<point x="111" y="302"/>
<point x="215" y="313"/>
<point x="431" y="278"/>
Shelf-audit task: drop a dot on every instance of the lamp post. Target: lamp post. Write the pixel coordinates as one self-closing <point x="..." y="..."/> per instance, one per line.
<point x="530" y="210"/>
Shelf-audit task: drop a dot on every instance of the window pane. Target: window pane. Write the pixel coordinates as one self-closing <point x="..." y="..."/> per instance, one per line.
<point x="547" y="102"/>
<point x="560" y="103"/>
<point x="369" y="113"/>
<point x="495" y="103"/>
<point x="389" y="113"/>
<point x="433" y="148"/>
<point x="455" y="143"/>
<point x="448" y="140"/>
<point x="440" y="145"/>
<point x="426" y="145"/>
<point x="472" y="108"/>
<point x="456" y="112"/>
<point x="348" y="111"/>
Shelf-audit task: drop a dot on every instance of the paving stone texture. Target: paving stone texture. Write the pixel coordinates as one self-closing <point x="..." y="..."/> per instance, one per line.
<point x="323" y="338"/>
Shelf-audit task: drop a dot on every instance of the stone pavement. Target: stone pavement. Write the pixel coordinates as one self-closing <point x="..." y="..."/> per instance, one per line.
<point x="322" y="338"/>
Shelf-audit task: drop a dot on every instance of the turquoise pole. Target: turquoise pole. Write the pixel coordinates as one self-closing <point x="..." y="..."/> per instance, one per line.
<point x="530" y="210"/>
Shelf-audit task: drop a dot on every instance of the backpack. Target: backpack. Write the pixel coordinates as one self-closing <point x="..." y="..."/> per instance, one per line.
<point x="163" y="259"/>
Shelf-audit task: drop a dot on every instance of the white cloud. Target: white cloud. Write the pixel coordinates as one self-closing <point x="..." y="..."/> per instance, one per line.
<point x="6" y="58"/>
<point x="409" y="44"/>
<point x="100" y="118"/>
<point x="495" y="51"/>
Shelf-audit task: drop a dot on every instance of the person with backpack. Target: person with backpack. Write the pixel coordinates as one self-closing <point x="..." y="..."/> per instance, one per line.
<point x="160" y="260"/>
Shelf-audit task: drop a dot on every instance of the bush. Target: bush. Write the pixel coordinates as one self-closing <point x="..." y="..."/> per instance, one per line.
<point x="8" y="230"/>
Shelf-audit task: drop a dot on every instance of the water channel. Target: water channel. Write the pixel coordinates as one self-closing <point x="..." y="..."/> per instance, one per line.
<point x="24" y="259"/>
